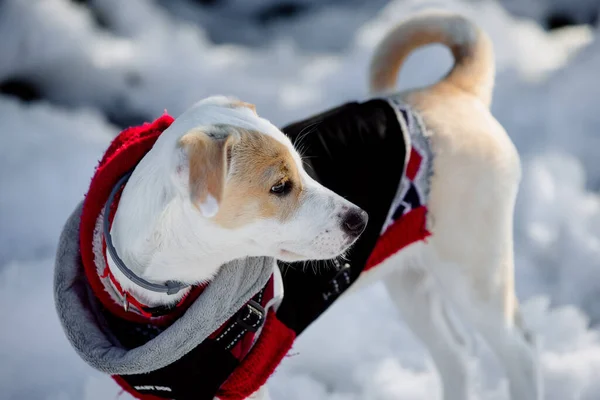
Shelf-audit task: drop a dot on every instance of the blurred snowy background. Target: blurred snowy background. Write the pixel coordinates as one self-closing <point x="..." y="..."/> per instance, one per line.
<point x="73" y="73"/>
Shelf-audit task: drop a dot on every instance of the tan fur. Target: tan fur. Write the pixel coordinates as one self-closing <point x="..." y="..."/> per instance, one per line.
<point x="464" y="135"/>
<point x="244" y="104"/>
<point x="473" y="70"/>
<point x="256" y="163"/>
<point x="207" y="164"/>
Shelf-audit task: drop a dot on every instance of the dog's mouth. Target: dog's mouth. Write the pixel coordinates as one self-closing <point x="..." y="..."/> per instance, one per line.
<point x="290" y="255"/>
<point x="294" y="251"/>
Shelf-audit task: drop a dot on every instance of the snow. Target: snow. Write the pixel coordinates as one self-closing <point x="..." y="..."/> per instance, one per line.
<point x="148" y="59"/>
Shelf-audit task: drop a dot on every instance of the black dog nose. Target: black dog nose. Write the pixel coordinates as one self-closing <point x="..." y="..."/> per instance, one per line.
<point x="355" y="222"/>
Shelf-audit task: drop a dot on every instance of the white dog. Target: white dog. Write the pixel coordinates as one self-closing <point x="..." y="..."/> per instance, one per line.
<point x="222" y="183"/>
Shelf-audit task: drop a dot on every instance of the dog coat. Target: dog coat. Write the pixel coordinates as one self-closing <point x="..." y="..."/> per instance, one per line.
<point x="375" y="154"/>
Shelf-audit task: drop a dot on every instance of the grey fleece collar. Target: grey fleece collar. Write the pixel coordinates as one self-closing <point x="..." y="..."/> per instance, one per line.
<point x="85" y="327"/>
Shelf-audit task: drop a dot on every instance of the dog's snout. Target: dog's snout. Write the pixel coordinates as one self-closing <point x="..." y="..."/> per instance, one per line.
<point x="354" y="221"/>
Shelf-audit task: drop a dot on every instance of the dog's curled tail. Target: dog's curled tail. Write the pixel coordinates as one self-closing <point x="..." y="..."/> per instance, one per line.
<point x="473" y="69"/>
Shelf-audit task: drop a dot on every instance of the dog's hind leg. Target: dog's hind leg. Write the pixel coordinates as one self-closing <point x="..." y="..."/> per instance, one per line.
<point x="481" y="290"/>
<point x="515" y="348"/>
<point x="423" y="309"/>
<point x="484" y="297"/>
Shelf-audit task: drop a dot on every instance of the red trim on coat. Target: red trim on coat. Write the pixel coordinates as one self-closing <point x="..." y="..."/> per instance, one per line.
<point x="409" y="228"/>
<point x="414" y="162"/>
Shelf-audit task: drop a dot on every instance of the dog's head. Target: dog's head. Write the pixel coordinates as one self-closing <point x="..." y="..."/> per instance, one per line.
<point x="245" y="181"/>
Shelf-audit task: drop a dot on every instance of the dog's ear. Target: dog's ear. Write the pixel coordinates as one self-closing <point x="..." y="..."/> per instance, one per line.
<point x="208" y="160"/>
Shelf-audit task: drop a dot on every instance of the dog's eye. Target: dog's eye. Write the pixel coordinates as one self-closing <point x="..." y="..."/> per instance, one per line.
<point x="281" y="188"/>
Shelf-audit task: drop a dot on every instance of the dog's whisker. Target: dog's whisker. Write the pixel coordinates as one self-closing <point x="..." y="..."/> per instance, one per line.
<point x="305" y="132"/>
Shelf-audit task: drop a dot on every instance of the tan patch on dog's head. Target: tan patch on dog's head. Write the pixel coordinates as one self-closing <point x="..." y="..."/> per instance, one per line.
<point x="244" y="104"/>
<point x="259" y="164"/>
<point x="250" y="176"/>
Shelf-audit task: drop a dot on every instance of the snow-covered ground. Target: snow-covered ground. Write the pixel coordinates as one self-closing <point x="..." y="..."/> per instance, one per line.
<point x="147" y="59"/>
